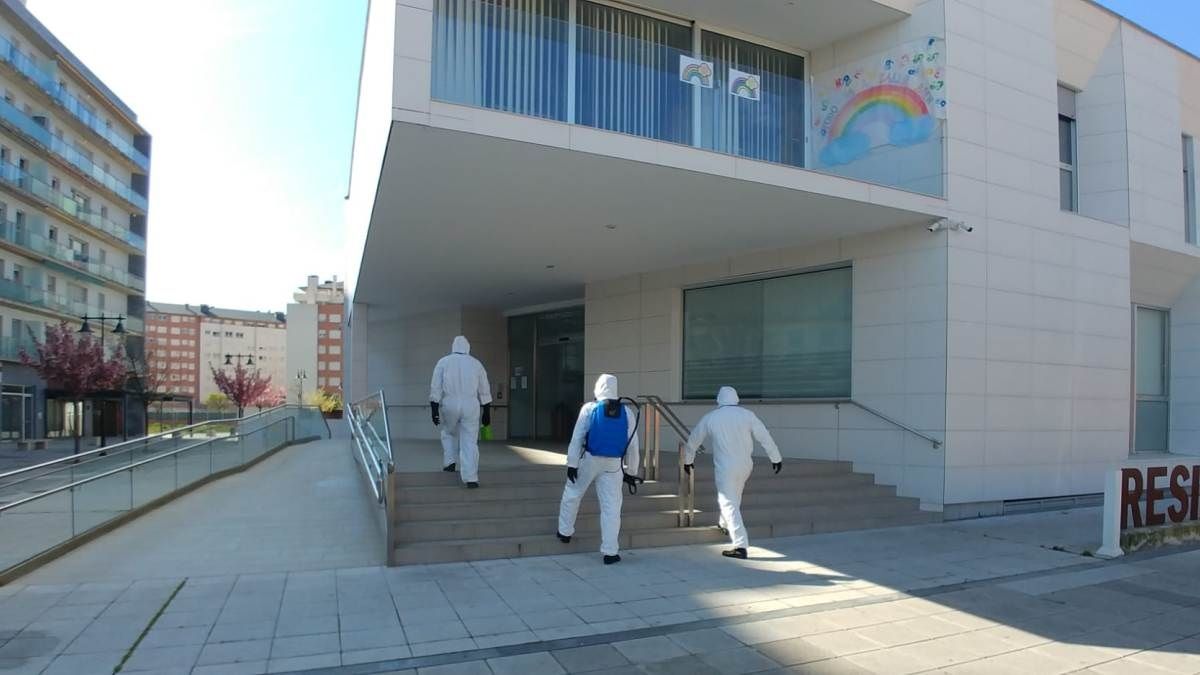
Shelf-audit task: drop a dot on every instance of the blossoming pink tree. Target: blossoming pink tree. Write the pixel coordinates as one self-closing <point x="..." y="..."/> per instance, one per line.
<point x="78" y="365"/>
<point x="271" y="397"/>
<point x="243" y="386"/>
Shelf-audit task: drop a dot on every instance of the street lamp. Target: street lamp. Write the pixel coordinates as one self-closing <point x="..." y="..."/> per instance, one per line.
<point x="301" y="376"/>
<point x="229" y="359"/>
<point x="119" y="329"/>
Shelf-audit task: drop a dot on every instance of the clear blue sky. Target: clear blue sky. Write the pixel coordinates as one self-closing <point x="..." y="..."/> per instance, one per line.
<point x="251" y="106"/>
<point x="1177" y="21"/>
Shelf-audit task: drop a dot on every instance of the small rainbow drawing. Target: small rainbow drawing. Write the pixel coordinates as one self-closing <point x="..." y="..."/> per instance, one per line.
<point x="745" y="86"/>
<point x="697" y="73"/>
<point x="885" y="114"/>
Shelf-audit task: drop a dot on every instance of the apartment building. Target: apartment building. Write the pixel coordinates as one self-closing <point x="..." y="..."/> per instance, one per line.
<point x="186" y="341"/>
<point x="951" y="242"/>
<point x="74" y="185"/>
<point x="314" y="337"/>
<point x="173" y="348"/>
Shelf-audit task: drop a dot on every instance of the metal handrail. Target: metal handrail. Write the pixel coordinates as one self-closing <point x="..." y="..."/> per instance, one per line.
<point x="367" y="442"/>
<point x="937" y="444"/>
<point x="130" y="467"/>
<point x="359" y="440"/>
<point x="109" y="450"/>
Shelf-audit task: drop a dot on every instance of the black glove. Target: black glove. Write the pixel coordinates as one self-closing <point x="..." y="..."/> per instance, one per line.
<point x="632" y="482"/>
<point x="687" y="468"/>
<point x="486" y="417"/>
<point x="777" y="466"/>
<point x="572" y="473"/>
<point x="436" y="409"/>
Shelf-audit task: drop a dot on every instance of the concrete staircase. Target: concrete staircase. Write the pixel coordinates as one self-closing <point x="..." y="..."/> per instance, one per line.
<point x="515" y="512"/>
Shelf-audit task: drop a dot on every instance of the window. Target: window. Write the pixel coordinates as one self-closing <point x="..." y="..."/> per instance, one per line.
<point x="320" y="365"/>
<point x="1068" y="179"/>
<point x="320" y="349"/>
<point x="335" y="381"/>
<point x="52" y="284"/>
<point x="322" y="334"/>
<point x="1189" y="189"/>
<point x="335" y="318"/>
<point x="771" y="129"/>
<point x="320" y="381"/>
<point x="54" y="183"/>
<point x="335" y="349"/>
<point x="336" y="334"/>
<point x="515" y="54"/>
<point x="784" y="337"/>
<point x="322" y="318"/>
<point x="100" y="301"/>
<point x="621" y="57"/>
<point x="174" y="330"/>
<point x="335" y="365"/>
<point x="1151" y="379"/>
<point x="52" y="234"/>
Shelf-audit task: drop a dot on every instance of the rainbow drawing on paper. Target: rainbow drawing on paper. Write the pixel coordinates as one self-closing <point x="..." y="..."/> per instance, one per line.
<point x="880" y="102"/>
<point x="744" y="85"/>
<point x="696" y="72"/>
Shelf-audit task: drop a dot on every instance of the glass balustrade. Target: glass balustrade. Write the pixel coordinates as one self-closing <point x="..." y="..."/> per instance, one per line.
<point x="16" y="291"/>
<point x="53" y="250"/>
<point x="620" y="70"/>
<point x="25" y="66"/>
<point x="21" y="179"/>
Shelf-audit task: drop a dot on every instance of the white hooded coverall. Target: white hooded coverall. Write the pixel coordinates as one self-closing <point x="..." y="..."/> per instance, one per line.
<point x="607" y="472"/>
<point x="460" y="386"/>
<point x="731" y="431"/>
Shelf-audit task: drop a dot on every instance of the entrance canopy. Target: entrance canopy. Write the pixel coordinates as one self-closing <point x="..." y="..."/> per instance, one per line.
<point x="468" y="219"/>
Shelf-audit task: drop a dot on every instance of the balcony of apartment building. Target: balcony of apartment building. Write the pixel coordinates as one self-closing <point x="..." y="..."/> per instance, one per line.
<point x="33" y="128"/>
<point x="25" y="238"/>
<point x="646" y="136"/>
<point x="78" y="112"/>
<point x="21" y="180"/>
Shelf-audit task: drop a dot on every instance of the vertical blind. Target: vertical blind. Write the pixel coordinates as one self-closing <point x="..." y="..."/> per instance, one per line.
<point x="771" y="128"/>
<point x="627" y="74"/>
<point x="516" y="56"/>
<point x="786" y="337"/>
<point x="508" y="55"/>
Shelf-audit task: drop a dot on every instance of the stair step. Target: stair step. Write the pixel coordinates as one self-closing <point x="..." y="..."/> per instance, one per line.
<point x="552" y="490"/>
<point x="466" y="508"/>
<point x="584" y="542"/>
<point x="516" y="526"/>
<point x="557" y="473"/>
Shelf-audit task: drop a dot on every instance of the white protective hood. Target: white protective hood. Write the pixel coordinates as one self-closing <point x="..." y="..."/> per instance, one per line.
<point x="727" y="396"/>
<point x="461" y="346"/>
<point x="606" y="387"/>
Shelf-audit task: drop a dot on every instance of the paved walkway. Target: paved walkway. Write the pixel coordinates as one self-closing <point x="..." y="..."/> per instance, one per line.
<point x="305" y="508"/>
<point x="231" y="616"/>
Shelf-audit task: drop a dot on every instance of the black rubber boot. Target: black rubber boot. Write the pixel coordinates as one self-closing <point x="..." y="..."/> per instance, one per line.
<point x="563" y="538"/>
<point x="451" y="467"/>
<point x="472" y="485"/>
<point x="611" y="559"/>
<point x="739" y="553"/>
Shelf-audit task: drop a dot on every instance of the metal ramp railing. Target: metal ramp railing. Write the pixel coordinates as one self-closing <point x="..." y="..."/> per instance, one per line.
<point x="372" y="437"/>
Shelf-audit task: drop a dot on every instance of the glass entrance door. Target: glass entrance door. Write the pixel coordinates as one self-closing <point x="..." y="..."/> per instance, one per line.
<point x="1151" y="379"/>
<point x="545" y="374"/>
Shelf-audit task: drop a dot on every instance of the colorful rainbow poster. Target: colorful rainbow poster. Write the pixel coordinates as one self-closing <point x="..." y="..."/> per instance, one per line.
<point x="696" y="72"/>
<point x="744" y="85"/>
<point x="896" y="99"/>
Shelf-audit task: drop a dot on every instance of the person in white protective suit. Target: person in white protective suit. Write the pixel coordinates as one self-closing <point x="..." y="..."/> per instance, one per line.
<point x="604" y="449"/>
<point x="460" y="398"/>
<point x="732" y="431"/>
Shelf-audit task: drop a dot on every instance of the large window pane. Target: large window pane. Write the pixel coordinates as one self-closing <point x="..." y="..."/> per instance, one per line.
<point x="806" y="335"/>
<point x="722" y="340"/>
<point x="787" y="337"/>
<point x="508" y="55"/>
<point x="1151" y="352"/>
<point x="627" y="74"/>
<point x="1066" y="140"/>
<point x="770" y="128"/>
<point x="1066" y="189"/>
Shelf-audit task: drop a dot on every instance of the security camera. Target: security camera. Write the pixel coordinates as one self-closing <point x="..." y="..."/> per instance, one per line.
<point x="968" y="228"/>
<point x="934" y="227"/>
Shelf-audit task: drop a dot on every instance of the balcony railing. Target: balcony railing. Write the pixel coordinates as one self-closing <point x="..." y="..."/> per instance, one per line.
<point x="16" y="119"/>
<point x="53" y="250"/>
<point x="22" y="180"/>
<point x="11" y="347"/>
<point x="24" y="65"/>
<point x="596" y="65"/>
<point x="16" y="291"/>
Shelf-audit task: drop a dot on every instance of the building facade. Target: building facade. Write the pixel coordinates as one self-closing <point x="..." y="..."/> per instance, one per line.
<point x="314" y="338"/>
<point x="74" y="186"/>
<point x="951" y="242"/>
<point x="185" y="342"/>
<point x="173" y="349"/>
